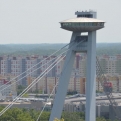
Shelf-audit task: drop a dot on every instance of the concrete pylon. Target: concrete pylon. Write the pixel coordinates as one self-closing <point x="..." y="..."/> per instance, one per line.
<point x="90" y="48"/>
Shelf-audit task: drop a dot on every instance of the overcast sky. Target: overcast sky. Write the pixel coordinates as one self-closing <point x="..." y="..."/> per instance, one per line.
<point x="37" y="21"/>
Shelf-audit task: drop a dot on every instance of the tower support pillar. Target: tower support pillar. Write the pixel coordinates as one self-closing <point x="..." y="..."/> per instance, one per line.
<point x="91" y="76"/>
<point x="64" y="80"/>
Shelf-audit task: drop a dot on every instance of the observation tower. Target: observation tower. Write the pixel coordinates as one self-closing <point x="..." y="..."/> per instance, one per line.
<point x="85" y="22"/>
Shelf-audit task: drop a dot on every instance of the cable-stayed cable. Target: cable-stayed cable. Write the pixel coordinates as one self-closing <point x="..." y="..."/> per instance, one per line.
<point x="46" y="102"/>
<point x="32" y="70"/>
<point x="5" y="109"/>
<point x="34" y="66"/>
<point x="64" y="56"/>
<point x="52" y="92"/>
<point x="28" y="74"/>
<point x="32" y="84"/>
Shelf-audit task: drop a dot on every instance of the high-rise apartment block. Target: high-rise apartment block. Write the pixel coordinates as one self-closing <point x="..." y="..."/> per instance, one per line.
<point x="14" y="66"/>
<point x="111" y="64"/>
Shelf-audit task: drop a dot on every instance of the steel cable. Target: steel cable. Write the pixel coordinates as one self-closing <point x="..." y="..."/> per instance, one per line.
<point x="28" y="74"/>
<point x="32" y="84"/>
<point x="46" y="71"/>
<point x="54" y="89"/>
<point x="46" y="102"/>
<point x="33" y="66"/>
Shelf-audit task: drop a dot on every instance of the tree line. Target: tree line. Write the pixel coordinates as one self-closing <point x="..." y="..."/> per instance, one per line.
<point x="47" y="49"/>
<point x="16" y="114"/>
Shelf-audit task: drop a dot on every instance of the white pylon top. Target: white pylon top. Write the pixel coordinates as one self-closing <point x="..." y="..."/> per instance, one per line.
<point x="83" y="19"/>
<point x="82" y="24"/>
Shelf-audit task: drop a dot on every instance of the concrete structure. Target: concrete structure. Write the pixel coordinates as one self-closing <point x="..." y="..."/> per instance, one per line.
<point x="103" y="108"/>
<point x="85" y="22"/>
<point x="36" y="105"/>
<point x="77" y="103"/>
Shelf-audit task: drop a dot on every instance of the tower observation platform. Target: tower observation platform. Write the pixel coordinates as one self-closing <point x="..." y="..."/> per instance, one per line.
<point x="82" y="24"/>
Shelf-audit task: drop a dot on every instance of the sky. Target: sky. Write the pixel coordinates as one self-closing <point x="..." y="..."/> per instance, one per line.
<point x="37" y="21"/>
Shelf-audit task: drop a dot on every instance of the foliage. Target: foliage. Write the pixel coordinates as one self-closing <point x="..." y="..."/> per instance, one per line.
<point x="28" y="49"/>
<point x="108" y="49"/>
<point x="20" y="89"/>
<point x="16" y="114"/>
<point x="97" y="91"/>
<point x="26" y="95"/>
<point x="37" y="91"/>
<point x="58" y="119"/>
<point x="71" y="92"/>
<point x="47" y="49"/>
<point x="75" y="116"/>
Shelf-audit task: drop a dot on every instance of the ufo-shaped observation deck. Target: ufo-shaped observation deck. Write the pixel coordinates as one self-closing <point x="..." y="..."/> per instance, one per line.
<point x="82" y="24"/>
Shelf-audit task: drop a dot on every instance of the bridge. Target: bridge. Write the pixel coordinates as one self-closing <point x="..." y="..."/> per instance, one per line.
<point x="85" y="22"/>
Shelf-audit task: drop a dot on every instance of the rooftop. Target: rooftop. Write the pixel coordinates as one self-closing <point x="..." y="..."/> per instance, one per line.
<point x="82" y="20"/>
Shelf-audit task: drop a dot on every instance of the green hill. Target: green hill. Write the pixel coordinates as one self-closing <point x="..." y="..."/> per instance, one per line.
<point x="46" y="49"/>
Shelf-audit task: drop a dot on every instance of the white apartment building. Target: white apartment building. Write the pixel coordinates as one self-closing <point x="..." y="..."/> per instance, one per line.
<point x="111" y="64"/>
<point x="14" y="66"/>
<point x="47" y="84"/>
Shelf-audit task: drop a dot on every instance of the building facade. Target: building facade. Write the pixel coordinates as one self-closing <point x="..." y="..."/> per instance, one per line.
<point x="15" y="66"/>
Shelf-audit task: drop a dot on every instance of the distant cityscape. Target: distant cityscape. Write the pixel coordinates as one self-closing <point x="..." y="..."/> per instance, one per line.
<point x="10" y="67"/>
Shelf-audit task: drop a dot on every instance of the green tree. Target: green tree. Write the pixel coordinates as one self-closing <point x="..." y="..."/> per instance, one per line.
<point x="68" y="116"/>
<point x="16" y="114"/>
<point x="58" y="119"/>
<point x="26" y="95"/>
<point x="20" y="88"/>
